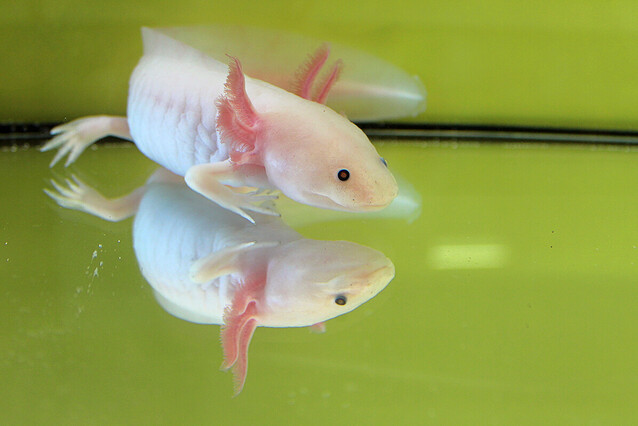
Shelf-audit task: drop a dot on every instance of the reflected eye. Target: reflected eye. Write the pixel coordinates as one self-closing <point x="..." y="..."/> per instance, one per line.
<point x="385" y="163"/>
<point x="343" y="175"/>
<point x="340" y="300"/>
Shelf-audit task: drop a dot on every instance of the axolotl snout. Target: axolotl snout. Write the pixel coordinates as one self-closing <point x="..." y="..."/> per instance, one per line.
<point x="222" y="130"/>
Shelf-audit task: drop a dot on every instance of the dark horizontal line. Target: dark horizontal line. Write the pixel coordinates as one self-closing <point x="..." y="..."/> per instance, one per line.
<point x="14" y="133"/>
<point x="11" y="133"/>
<point x="496" y="133"/>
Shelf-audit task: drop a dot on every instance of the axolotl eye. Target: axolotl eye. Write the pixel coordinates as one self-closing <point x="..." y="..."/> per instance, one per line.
<point x="343" y="175"/>
<point x="340" y="300"/>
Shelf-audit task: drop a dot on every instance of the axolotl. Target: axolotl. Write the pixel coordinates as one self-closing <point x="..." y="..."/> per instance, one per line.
<point x="224" y="131"/>
<point x="208" y="265"/>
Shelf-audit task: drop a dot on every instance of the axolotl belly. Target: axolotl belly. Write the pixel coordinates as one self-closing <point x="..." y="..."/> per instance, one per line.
<point x="221" y="130"/>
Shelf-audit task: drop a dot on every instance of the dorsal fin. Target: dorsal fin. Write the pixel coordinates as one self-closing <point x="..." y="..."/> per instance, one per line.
<point x="237" y="119"/>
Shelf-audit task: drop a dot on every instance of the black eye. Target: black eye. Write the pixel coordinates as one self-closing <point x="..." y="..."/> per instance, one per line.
<point x="340" y="300"/>
<point x="385" y="163"/>
<point x="343" y="175"/>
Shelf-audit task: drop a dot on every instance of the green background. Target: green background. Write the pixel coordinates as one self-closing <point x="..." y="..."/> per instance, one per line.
<point x="562" y="63"/>
<point x="515" y="295"/>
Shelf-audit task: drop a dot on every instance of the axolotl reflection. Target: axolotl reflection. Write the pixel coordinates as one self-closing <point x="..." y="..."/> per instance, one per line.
<point x="208" y="265"/>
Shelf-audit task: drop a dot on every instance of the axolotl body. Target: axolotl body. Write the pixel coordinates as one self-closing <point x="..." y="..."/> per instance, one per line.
<point x="222" y="131"/>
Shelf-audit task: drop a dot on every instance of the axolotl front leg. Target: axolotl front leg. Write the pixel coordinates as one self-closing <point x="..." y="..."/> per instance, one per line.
<point x="214" y="181"/>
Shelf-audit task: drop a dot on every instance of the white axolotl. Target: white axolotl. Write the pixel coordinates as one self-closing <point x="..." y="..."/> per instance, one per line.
<point x="221" y="130"/>
<point x="207" y="265"/>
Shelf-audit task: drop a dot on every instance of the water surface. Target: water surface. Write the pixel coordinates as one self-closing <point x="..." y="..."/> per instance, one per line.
<point x="514" y="302"/>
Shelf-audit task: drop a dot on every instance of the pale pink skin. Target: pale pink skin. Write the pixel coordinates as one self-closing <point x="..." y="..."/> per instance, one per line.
<point x="206" y="121"/>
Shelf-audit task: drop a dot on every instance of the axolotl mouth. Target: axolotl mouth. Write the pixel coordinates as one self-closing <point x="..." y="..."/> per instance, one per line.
<point x="320" y="200"/>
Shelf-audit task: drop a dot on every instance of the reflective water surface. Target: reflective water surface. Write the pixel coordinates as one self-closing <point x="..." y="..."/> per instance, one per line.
<point x="513" y="302"/>
<point x="209" y="265"/>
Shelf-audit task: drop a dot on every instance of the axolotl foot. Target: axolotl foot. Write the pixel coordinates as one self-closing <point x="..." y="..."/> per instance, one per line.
<point x="74" y="137"/>
<point x="209" y="179"/>
<point x="77" y="195"/>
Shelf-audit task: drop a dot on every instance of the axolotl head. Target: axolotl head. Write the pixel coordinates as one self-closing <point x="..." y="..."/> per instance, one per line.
<point x="311" y="153"/>
<point x="311" y="281"/>
<point x="318" y="157"/>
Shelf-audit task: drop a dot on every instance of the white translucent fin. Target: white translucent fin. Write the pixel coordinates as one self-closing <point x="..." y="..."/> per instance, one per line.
<point x="157" y="43"/>
<point x="369" y="89"/>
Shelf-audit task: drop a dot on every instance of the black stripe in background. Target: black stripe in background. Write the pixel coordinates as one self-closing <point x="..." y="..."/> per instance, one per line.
<point x="496" y="133"/>
<point x="12" y="133"/>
